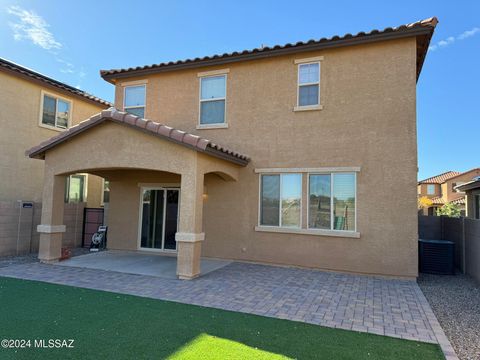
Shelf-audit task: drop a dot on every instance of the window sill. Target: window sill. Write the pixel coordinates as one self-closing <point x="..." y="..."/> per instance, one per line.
<point x="212" y="126"/>
<point x="308" y="108"/>
<point x="52" y="127"/>
<point x="319" y="232"/>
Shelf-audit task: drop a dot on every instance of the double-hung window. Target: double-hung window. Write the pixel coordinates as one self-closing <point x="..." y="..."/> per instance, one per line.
<point x="332" y="201"/>
<point x="134" y="100"/>
<point x="213" y="95"/>
<point x="56" y="112"/>
<point x="308" y="85"/>
<point x="281" y="199"/>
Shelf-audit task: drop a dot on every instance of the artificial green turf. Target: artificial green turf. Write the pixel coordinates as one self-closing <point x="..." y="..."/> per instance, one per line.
<point x="114" y="326"/>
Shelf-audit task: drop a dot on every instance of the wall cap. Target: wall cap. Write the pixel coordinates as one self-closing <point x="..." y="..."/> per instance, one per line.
<point x="189" y="237"/>
<point x="51" y="229"/>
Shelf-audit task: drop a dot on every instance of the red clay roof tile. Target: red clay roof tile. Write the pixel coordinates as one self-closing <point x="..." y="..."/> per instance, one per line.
<point x="178" y="136"/>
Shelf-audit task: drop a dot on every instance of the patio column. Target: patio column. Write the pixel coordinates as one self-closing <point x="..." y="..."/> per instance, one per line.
<point x="51" y="229"/>
<point x="190" y="236"/>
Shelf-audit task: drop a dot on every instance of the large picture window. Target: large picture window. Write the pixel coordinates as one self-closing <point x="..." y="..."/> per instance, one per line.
<point x="281" y="198"/>
<point x="212" y="99"/>
<point x="56" y="112"/>
<point x="332" y="201"/>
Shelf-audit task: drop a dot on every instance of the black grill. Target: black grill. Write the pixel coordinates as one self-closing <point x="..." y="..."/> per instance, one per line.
<point x="436" y="257"/>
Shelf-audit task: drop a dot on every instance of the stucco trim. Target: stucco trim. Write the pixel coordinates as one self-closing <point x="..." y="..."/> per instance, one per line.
<point x="319" y="232"/>
<point x="307" y="108"/>
<point x="51" y="229"/>
<point x="134" y="82"/>
<point x="212" y="126"/>
<point x="307" y="170"/>
<point x="308" y="60"/>
<point x="213" y="72"/>
<point x="189" y="237"/>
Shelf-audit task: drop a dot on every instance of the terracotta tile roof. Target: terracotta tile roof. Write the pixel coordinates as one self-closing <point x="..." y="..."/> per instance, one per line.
<point x="423" y="29"/>
<point x="440" y="179"/>
<point x="16" y="69"/>
<point x="438" y="200"/>
<point x="163" y="131"/>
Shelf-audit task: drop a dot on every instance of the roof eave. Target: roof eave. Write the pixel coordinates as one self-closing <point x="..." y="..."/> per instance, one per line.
<point x="409" y="32"/>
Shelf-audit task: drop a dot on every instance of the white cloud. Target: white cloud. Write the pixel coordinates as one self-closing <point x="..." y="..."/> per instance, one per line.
<point x="32" y="27"/>
<point x="451" y="39"/>
<point x="468" y="33"/>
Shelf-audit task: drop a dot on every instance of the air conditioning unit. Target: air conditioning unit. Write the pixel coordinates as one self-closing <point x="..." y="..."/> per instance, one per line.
<point x="436" y="257"/>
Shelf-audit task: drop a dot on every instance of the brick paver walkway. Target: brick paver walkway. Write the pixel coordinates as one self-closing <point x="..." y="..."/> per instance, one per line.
<point x="363" y="303"/>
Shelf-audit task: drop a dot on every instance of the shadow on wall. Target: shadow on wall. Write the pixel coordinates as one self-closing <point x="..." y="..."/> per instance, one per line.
<point x="18" y="226"/>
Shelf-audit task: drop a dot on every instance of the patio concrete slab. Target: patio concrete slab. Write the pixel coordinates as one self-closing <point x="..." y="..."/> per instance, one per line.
<point x="376" y="305"/>
<point x="133" y="262"/>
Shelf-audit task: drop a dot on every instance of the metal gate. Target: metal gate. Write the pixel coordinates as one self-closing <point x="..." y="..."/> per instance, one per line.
<point x="92" y="219"/>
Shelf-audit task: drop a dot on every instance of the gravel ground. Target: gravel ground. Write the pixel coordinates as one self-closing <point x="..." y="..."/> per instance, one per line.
<point x="29" y="258"/>
<point x="455" y="300"/>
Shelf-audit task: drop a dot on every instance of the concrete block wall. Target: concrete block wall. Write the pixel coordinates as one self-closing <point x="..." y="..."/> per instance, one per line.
<point x="18" y="226"/>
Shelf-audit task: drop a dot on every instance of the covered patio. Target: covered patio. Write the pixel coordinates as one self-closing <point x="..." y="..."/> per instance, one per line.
<point x="157" y="184"/>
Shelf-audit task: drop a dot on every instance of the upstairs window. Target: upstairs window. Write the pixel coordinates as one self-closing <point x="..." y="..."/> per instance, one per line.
<point x="56" y="112"/>
<point x="430" y="189"/>
<point x="134" y="100"/>
<point x="309" y="84"/>
<point x="213" y="93"/>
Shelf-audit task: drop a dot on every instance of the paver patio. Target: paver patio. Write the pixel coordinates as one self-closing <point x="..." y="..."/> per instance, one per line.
<point x="376" y="305"/>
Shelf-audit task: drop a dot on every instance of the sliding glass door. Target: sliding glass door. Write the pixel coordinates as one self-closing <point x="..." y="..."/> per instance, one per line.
<point x="159" y="218"/>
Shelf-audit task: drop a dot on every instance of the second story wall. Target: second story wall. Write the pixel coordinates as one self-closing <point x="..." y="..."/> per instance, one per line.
<point x="21" y="178"/>
<point x="367" y="95"/>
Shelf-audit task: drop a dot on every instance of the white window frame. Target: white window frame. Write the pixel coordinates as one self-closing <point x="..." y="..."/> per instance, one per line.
<point x="428" y="187"/>
<point x="300" y="63"/>
<point x="206" y="75"/>
<point x="85" y="187"/>
<point x="102" y="201"/>
<point x="56" y="97"/>
<point x="305" y="230"/>
<point x="280" y="225"/>
<point x="144" y="106"/>
<point x="332" y="218"/>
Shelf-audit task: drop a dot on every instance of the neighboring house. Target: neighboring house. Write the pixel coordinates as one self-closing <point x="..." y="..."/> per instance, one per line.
<point x="329" y="127"/>
<point x="35" y="108"/>
<point x="471" y="189"/>
<point x="440" y="189"/>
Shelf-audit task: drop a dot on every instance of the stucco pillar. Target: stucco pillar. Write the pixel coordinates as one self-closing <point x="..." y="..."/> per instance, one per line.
<point x="51" y="229"/>
<point x="190" y="236"/>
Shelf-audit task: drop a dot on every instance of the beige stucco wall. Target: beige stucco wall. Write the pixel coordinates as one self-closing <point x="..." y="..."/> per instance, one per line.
<point x="447" y="188"/>
<point x="422" y="190"/>
<point x="368" y="120"/>
<point x="470" y="202"/>
<point x="21" y="178"/>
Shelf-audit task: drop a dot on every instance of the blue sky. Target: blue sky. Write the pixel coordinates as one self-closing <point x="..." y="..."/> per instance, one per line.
<point x="71" y="40"/>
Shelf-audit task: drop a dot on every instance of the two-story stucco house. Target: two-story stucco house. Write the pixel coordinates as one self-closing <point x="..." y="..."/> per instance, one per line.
<point x="441" y="189"/>
<point x="288" y="154"/>
<point x="34" y="108"/>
